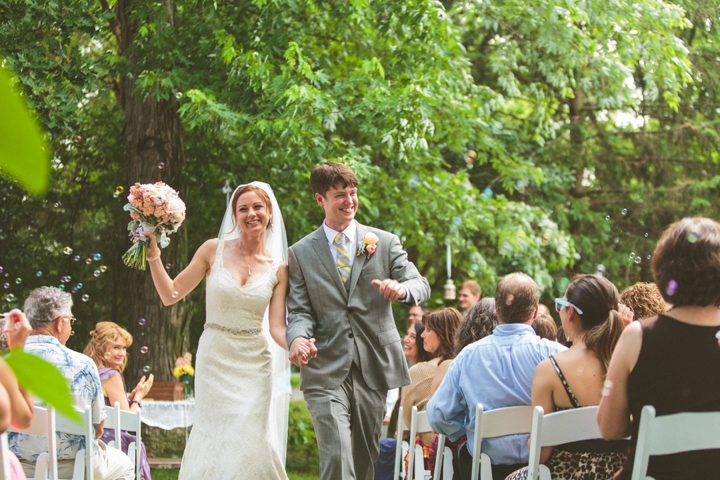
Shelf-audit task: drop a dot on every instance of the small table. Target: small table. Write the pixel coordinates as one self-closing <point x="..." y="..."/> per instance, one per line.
<point x="169" y="415"/>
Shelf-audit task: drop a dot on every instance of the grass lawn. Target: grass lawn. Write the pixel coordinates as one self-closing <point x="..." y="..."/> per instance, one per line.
<point x="172" y="474"/>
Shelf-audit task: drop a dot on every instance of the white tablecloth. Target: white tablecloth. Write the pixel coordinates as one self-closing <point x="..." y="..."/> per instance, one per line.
<point x="168" y="415"/>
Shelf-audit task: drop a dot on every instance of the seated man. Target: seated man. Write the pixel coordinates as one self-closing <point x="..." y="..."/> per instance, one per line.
<point x="496" y="371"/>
<point x="49" y="314"/>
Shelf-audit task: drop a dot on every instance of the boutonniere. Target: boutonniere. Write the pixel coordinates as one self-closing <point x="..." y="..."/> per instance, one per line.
<point x="369" y="244"/>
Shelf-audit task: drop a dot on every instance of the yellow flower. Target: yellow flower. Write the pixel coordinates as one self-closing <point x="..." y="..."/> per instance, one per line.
<point x="189" y="370"/>
<point x="177" y="372"/>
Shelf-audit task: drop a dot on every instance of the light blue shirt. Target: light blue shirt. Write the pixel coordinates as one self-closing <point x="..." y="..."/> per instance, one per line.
<point x="496" y="371"/>
<point x="84" y="379"/>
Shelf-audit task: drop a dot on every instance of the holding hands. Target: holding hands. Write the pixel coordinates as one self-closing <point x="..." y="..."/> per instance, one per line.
<point x="302" y="350"/>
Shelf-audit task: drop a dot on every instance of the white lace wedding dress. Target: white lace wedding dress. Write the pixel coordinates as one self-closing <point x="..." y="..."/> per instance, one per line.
<point x="231" y="437"/>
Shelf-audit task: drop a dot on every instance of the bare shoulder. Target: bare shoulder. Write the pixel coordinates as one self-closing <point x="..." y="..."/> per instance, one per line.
<point x="628" y="347"/>
<point x="545" y="371"/>
<point x="209" y="247"/>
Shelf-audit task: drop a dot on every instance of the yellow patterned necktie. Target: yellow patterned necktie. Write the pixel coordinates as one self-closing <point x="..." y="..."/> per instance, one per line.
<point x="343" y="258"/>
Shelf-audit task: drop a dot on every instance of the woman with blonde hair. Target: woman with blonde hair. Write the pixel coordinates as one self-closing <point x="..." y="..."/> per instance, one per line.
<point x="108" y="349"/>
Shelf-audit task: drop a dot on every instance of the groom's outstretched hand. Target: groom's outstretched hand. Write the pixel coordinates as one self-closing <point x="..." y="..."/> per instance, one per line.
<point x="302" y="350"/>
<point x="390" y="289"/>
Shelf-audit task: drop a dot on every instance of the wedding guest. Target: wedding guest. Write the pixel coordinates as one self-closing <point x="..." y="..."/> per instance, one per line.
<point x="108" y="349"/>
<point x="574" y="378"/>
<point x="545" y="327"/>
<point x="496" y="371"/>
<point x="415" y="313"/>
<point x="49" y="311"/>
<point x="671" y="360"/>
<point x="644" y="299"/>
<point x="562" y="339"/>
<point x="543" y="310"/>
<point x="468" y="295"/>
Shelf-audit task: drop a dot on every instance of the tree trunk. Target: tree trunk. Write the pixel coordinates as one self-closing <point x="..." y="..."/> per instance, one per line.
<point x="155" y="152"/>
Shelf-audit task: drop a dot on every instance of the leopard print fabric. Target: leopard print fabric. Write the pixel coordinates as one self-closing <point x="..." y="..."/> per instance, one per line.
<point x="578" y="466"/>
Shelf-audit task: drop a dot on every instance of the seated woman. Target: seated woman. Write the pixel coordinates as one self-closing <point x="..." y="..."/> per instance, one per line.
<point x="574" y="378"/>
<point x="672" y="360"/>
<point x="415" y="353"/>
<point x="438" y="339"/>
<point x="107" y="348"/>
<point x="644" y="299"/>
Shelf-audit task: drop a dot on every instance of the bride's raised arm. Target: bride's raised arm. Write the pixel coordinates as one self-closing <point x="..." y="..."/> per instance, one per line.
<point x="172" y="291"/>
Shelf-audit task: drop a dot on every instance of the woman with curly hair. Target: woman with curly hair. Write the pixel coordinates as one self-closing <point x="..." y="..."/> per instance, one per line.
<point x="644" y="299"/>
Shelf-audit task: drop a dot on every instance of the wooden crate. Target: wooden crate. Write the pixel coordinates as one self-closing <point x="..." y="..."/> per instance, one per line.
<point x="169" y="391"/>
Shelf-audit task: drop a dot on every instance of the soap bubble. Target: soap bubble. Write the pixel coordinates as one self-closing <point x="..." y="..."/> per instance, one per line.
<point x="601" y="268"/>
<point x="77" y="258"/>
<point x="414" y="181"/>
<point x="637" y="259"/>
<point x="1" y="269"/>
<point x="118" y="191"/>
<point x="161" y="165"/>
<point x="168" y="266"/>
<point x="488" y="191"/>
<point x="647" y="234"/>
<point x="509" y="299"/>
<point x="74" y="290"/>
<point x="671" y="288"/>
<point x="174" y="294"/>
<point x="18" y="281"/>
<point x="146" y="368"/>
<point x="39" y="273"/>
<point x="88" y="261"/>
<point x="141" y="321"/>
<point x="506" y="246"/>
<point x="691" y="237"/>
<point x="143" y="349"/>
<point x="624" y="211"/>
<point x="79" y="286"/>
<point x="67" y="251"/>
<point x="649" y="257"/>
<point x="96" y="273"/>
<point x="457" y="220"/>
<point x="10" y="297"/>
<point x="607" y="387"/>
<point x="717" y="334"/>
<point x="475" y="267"/>
<point x="6" y="285"/>
<point x="607" y="217"/>
<point x="85" y="297"/>
<point x="103" y="268"/>
<point x="97" y="257"/>
<point x="632" y="255"/>
<point x="61" y="287"/>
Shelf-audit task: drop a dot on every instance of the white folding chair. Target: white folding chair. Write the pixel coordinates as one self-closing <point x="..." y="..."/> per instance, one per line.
<point x="496" y="423"/>
<point x="557" y="428"/>
<point x="83" y="460"/>
<point x="400" y="448"/>
<point x="679" y="432"/>
<point x="419" y="423"/>
<point x="122" y="420"/>
<point x="4" y="457"/>
<point x="43" y="425"/>
<point x="443" y="461"/>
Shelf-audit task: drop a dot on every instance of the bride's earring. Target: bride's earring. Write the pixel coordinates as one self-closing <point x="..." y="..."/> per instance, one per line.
<point x="270" y="221"/>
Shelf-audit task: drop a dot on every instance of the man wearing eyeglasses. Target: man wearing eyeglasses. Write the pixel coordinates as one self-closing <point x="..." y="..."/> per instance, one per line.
<point x="48" y="310"/>
<point x="496" y="371"/>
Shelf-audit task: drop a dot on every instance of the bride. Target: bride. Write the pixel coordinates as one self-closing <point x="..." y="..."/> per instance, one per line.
<point x="241" y="388"/>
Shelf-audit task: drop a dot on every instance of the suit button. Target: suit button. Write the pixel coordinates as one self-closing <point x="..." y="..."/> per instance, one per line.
<point x="350" y="335"/>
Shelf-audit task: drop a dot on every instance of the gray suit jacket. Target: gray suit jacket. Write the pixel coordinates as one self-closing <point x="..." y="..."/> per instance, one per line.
<point x="319" y="306"/>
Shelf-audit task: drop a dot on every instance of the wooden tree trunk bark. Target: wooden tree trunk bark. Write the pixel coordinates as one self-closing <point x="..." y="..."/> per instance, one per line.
<point x="154" y="152"/>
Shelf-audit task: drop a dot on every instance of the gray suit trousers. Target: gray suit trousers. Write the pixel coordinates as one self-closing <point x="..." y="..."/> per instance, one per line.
<point x="351" y="407"/>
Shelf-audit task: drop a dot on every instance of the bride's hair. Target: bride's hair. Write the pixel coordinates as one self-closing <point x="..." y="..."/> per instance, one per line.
<point x="261" y="193"/>
<point x="104" y="334"/>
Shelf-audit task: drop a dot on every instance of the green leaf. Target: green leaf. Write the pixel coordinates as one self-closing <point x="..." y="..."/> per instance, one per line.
<point x="43" y="380"/>
<point x="24" y="156"/>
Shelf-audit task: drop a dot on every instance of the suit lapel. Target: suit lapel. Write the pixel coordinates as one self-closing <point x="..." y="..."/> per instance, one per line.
<point x="359" y="261"/>
<point x="320" y="244"/>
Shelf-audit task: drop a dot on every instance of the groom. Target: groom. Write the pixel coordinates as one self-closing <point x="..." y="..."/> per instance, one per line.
<point x="343" y="278"/>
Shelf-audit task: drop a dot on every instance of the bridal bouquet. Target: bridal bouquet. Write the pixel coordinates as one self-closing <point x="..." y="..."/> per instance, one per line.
<point x="155" y="208"/>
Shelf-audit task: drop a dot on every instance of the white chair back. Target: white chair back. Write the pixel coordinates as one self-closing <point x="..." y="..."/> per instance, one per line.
<point x="122" y="420"/>
<point x="557" y="428"/>
<point x="680" y="432"/>
<point x="496" y="423"/>
<point x="4" y="457"/>
<point x="419" y="423"/>
<point x="43" y="425"/>
<point x="83" y="460"/>
<point x="400" y="447"/>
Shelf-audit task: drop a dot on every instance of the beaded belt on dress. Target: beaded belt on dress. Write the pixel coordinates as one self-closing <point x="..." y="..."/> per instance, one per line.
<point x="235" y="330"/>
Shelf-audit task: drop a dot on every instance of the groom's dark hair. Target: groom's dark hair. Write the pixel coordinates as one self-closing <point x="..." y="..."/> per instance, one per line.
<point x="332" y="174"/>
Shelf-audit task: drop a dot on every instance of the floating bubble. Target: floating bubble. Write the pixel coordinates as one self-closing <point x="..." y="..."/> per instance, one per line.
<point x="74" y="290"/>
<point x="632" y="255"/>
<point x="77" y="258"/>
<point x="509" y="299"/>
<point x="116" y="194"/>
<point x="637" y="259"/>
<point x="118" y="191"/>
<point x="691" y="237"/>
<point x="474" y="267"/>
<point x="143" y="349"/>
<point x="103" y="268"/>
<point x="77" y="139"/>
<point x="457" y="220"/>
<point x="414" y="181"/>
<point x="168" y="266"/>
<point x="18" y="281"/>
<point x="1" y="269"/>
<point x="64" y="279"/>
<point x="161" y="165"/>
<point x="607" y="217"/>
<point x="521" y="186"/>
<point x="6" y="285"/>
<point x="671" y="288"/>
<point x="146" y="368"/>
<point x="141" y="321"/>
<point x="717" y="334"/>
<point x="96" y="273"/>
<point x="470" y="157"/>
<point x="88" y="261"/>
<point x="79" y="286"/>
<point x="488" y="191"/>
<point x="61" y="287"/>
<point x="600" y="268"/>
<point x="607" y="387"/>
<point x="67" y="251"/>
<point x="85" y="297"/>
<point x="647" y="234"/>
<point x="506" y="246"/>
<point x="10" y="297"/>
<point x="174" y="294"/>
<point x="649" y="257"/>
<point x="624" y="211"/>
<point x="39" y="273"/>
<point x="97" y="257"/>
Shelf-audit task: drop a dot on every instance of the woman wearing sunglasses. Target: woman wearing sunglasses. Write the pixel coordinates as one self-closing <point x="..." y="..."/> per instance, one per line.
<point x="574" y="378"/>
